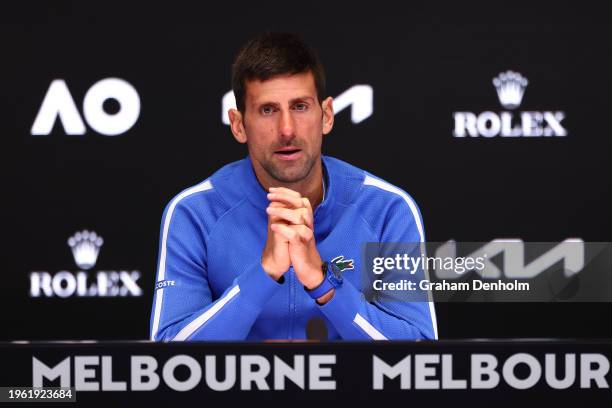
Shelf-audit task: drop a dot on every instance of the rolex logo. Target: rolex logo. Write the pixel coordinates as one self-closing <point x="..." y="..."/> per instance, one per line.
<point x="85" y="246"/>
<point x="510" y="87"/>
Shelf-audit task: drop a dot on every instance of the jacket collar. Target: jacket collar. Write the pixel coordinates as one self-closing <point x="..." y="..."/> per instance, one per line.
<point x="258" y="196"/>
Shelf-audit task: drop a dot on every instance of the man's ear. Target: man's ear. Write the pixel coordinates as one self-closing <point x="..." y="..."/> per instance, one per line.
<point x="328" y="115"/>
<point x="237" y="125"/>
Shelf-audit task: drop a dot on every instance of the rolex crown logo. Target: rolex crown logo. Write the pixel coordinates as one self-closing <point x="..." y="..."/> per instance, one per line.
<point x="85" y="246"/>
<point x="510" y="88"/>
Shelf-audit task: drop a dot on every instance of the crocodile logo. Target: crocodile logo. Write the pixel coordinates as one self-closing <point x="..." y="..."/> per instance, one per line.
<point x="342" y="264"/>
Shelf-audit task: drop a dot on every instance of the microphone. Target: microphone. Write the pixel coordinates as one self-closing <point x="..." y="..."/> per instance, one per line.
<point x="316" y="329"/>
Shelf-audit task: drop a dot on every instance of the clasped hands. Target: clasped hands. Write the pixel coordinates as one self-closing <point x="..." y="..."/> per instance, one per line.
<point x="291" y="239"/>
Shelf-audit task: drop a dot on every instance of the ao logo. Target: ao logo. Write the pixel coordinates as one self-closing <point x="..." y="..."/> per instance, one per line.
<point x="58" y="102"/>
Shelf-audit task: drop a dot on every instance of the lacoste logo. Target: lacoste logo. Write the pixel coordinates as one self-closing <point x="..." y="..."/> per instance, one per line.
<point x="341" y="264"/>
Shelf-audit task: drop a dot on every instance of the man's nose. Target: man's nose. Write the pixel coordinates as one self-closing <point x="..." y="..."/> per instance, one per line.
<point x="287" y="125"/>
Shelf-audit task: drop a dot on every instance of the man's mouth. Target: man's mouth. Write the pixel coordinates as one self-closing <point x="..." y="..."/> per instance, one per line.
<point x="288" y="153"/>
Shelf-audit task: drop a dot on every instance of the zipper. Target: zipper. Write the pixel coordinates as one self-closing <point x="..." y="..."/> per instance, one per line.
<point x="291" y="301"/>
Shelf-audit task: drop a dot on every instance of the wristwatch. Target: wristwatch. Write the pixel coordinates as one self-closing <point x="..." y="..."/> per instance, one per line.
<point x="332" y="278"/>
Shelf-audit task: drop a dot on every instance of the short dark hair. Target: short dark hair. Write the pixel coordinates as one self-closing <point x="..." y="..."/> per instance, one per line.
<point x="272" y="54"/>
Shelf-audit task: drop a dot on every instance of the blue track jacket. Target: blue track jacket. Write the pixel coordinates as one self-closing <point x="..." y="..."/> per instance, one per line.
<point x="211" y="285"/>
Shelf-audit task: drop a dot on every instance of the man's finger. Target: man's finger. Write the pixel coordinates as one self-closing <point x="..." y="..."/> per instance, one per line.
<point x="286" y="232"/>
<point x="277" y="204"/>
<point x="295" y="217"/>
<point x="302" y="204"/>
<point x="303" y="232"/>
<point x="291" y="200"/>
<point x="306" y="202"/>
<point x="272" y="218"/>
<point x="285" y="190"/>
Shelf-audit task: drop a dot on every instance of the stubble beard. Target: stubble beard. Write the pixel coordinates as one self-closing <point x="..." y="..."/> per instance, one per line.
<point x="290" y="174"/>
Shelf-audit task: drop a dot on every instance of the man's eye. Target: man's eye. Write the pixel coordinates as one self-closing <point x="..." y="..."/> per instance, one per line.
<point x="267" y="110"/>
<point x="300" y="106"/>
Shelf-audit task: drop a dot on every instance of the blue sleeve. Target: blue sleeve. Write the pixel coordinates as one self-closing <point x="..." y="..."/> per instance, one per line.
<point x="356" y="318"/>
<point x="183" y="306"/>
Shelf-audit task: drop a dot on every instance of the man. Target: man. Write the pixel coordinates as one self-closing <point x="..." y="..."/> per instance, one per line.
<point x="269" y="244"/>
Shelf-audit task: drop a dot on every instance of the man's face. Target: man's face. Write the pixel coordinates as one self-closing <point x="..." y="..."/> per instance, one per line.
<point x="284" y="125"/>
